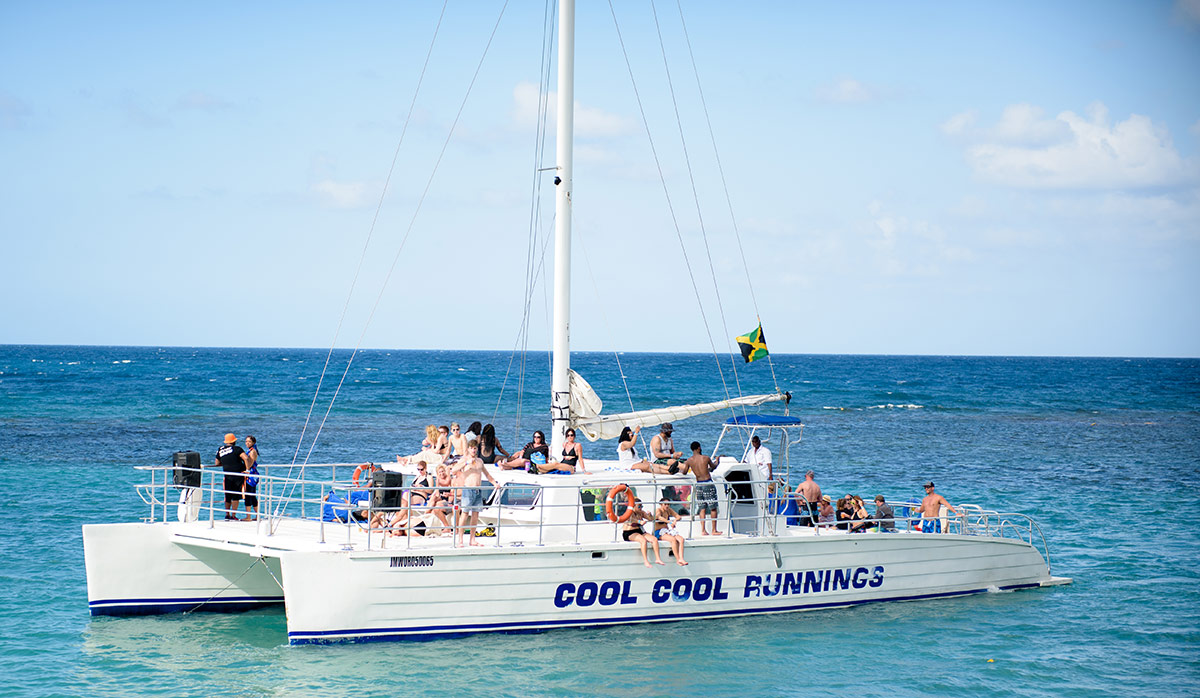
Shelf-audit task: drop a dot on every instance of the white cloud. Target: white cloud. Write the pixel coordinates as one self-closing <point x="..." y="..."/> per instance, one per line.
<point x="1194" y="129"/>
<point x="1070" y="151"/>
<point x="1023" y="124"/>
<point x="341" y="194"/>
<point x="590" y="122"/>
<point x="908" y="247"/>
<point x="960" y="124"/>
<point x="847" y="91"/>
<point x="1019" y="124"/>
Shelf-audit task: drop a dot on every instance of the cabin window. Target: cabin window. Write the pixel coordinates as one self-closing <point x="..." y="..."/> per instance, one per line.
<point x="519" y="496"/>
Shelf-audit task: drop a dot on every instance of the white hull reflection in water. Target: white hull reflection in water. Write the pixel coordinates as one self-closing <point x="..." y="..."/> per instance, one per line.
<point x="550" y="564"/>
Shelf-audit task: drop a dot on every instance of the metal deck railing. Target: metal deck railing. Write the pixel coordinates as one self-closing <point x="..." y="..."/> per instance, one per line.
<point x="370" y="516"/>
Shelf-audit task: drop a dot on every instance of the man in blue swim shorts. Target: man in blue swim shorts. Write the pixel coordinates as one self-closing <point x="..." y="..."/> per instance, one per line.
<point x="931" y="510"/>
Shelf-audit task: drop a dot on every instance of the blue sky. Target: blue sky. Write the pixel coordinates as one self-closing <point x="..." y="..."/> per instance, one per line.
<point x="906" y="178"/>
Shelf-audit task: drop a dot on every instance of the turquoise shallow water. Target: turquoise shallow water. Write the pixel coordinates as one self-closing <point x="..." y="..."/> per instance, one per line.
<point x="1104" y="453"/>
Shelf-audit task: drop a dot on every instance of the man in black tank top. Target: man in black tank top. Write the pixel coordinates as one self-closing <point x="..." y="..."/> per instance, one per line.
<point x="234" y="462"/>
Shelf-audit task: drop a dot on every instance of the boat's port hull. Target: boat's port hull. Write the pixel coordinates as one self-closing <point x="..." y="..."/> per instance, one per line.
<point x="144" y="569"/>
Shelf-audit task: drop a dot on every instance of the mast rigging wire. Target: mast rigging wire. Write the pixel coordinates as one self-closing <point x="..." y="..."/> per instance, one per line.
<point x="411" y="224"/>
<point x="724" y="184"/>
<point x="670" y="206"/>
<point x="699" y="212"/>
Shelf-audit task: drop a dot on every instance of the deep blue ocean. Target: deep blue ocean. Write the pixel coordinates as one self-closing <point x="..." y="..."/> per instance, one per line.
<point x="1103" y="453"/>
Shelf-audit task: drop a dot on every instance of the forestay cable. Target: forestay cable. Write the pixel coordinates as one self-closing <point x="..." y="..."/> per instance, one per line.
<point x="670" y="206"/>
<point x="370" y="232"/>
<point x="699" y="212"/>
<point x="411" y="224"/>
<point x="721" y="171"/>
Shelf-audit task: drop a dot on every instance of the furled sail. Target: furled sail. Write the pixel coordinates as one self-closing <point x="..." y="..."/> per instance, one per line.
<point x="598" y="426"/>
<point x="584" y="400"/>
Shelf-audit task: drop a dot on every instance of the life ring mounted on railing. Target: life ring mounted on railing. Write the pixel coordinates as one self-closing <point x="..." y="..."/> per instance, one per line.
<point x="615" y="492"/>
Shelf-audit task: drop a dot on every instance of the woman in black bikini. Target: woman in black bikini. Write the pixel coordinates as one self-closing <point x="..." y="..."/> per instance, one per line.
<point x="489" y="445"/>
<point x="422" y="488"/>
<point x="632" y="531"/>
<point x="572" y="457"/>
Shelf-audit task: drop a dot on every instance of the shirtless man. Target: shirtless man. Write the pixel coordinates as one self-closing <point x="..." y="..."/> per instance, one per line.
<point x="458" y="442"/>
<point x="931" y="510"/>
<point x="470" y="467"/>
<point x="662" y="447"/>
<point x="808" y="494"/>
<point x="701" y="465"/>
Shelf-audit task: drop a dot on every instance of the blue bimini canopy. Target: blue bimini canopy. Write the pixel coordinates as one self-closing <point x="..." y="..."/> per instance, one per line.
<point x="763" y="420"/>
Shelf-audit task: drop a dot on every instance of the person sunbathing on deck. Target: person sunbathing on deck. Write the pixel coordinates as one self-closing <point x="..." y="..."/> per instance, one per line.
<point x="536" y="452"/>
<point x="429" y="451"/>
<point x="627" y="455"/>
<point x="572" y="458"/>
<point x="662" y="447"/>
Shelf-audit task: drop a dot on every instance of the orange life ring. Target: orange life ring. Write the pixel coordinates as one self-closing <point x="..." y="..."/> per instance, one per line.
<point x="612" y="496"/>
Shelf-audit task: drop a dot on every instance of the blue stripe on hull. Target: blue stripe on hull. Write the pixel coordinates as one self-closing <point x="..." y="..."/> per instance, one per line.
<point x="437" y="632"/>
<point x="150" y="607"/>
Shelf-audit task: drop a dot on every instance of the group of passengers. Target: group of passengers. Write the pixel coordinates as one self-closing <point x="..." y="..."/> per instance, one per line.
<point x="817" y="509"/>
<point x="446" y="445"/>
<point x="665" y="518"/>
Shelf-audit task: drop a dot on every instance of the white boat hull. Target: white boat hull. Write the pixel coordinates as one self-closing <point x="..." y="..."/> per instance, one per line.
<point x="336" y="596"/>
<point x="138" y="569"/>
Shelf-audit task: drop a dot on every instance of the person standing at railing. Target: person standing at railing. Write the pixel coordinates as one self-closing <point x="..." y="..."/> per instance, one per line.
<point x="931" y="510"/>
<point x="705" y="491"/>
<point x="808" y="494"/>
<point x="473" y="472"/>
<point x="232" y="459"/>
<point x="250" y="486"/>
<point x="759" y="455"/>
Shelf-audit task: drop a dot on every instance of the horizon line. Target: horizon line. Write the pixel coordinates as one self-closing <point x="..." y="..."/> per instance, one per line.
<point x="592" y="351"/>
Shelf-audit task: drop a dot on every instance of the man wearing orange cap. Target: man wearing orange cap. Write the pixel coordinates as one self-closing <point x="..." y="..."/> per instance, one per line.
<point x="234" y="462"/>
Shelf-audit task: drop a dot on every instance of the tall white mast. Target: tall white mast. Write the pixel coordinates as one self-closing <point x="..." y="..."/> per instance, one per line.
<point x="560" y="395"/>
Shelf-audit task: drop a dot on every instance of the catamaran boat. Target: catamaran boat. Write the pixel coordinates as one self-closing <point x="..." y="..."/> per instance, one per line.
<point x="553" y="553"/>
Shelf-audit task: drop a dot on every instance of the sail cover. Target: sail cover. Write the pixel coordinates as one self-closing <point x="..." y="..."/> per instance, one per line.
<point x="584" y="401"/>
<point x="597" y="426"/>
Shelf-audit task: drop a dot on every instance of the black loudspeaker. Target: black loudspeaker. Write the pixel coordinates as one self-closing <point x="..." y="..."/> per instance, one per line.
<point x="386" y="492"/>
<point x="187" y="469"/>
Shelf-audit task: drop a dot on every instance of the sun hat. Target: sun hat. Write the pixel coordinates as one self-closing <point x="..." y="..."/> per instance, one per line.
<point x="230" y="438"/>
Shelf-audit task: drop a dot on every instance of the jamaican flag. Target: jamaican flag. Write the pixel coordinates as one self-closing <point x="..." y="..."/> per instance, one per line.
<point x="753" y="344"/>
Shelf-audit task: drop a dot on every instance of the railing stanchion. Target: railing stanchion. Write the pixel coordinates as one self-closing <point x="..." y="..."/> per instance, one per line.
<point x="541" y="517"/>
<point x="212" y="500"/>
<point x="578" y="511"/>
